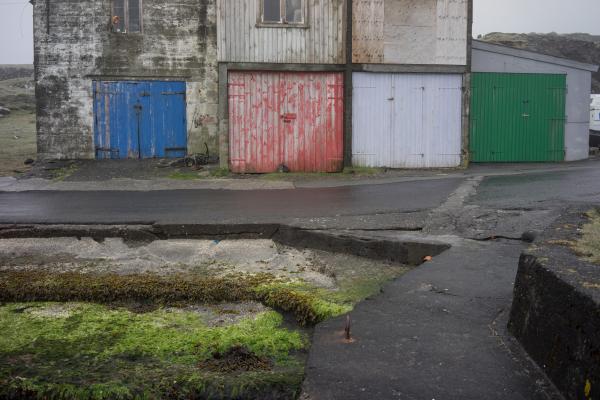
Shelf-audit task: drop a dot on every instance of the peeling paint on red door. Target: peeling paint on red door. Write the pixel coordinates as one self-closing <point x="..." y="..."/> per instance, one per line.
<point x="294" y="119"/>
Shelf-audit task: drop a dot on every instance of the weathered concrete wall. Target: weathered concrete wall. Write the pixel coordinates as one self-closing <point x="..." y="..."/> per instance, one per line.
<point x="556" y="310"/>
<point x="489" y="58"/>
<point x="410" y="31"/>
<point x="74" y="47"/>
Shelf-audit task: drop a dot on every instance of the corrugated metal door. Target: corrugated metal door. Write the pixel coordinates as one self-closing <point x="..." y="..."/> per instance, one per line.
<point x="140" y="119"/>
<point x="517" y="117"/>
<point x="406" y="120"/>
<point x="295" y="119"/>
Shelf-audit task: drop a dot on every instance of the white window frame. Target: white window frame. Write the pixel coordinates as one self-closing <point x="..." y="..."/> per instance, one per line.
<point x="282" y="22"/>
<point x="126" y="17"/>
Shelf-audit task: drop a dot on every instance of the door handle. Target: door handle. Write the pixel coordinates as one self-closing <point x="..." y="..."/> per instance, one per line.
<point x="289" y="117"/>
<point x="525" y="115"/>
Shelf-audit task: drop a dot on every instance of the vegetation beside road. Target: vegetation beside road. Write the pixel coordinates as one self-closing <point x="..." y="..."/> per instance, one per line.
<point x="17" y="142"/>
<point x="17" y="129"/>
<point x="73" y="335"/>
<point x="90" y="351"/>
<point x="588" y="245"/>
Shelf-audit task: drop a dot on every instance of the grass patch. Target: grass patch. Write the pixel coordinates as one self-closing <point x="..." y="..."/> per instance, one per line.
<point x="18" y="94"/>
<point x="17" y="141"/>
<point x="90" y="351"/>
<point x="130" y="344"/>
<point x="220" y="173"/>
<point x="63" y="173"/>
<point x="309" y="304"/>
<point x="588" y="246"/>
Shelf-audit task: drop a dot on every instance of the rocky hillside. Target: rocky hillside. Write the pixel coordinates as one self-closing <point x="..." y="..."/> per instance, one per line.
<point x="576" y="46"/>
<point x="15" y="71"/>
<point x="17" y="87"/>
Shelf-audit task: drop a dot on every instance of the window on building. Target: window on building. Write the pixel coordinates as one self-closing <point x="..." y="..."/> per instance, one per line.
<point x="127" y="16"/>
<point x="282" y="11"/>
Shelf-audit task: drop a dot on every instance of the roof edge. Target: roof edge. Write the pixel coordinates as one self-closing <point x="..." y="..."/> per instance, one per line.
<point x="532" y="55"/>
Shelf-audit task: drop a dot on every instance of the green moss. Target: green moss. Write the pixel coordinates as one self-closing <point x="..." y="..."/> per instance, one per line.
<point x="165" y="290"/>
<point x="220" y="172"/>
<point x="63" y="173"/>
<point x="93" y="352"/>
<point x="308" y="303"/>
<point x="588" y="246"/>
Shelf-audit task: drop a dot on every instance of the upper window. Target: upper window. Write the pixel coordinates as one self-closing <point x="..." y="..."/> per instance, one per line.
<point x="127" y="16"/>
<point x="282" y="12"/>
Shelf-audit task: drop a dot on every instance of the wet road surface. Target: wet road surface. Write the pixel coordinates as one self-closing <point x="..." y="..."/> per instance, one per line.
<point x="220" y="206"/>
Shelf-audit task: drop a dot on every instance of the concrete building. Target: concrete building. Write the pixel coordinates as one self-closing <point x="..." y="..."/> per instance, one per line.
<point x="410" y="80"/>
<point x="125" y="78"/>
<point x="261" y="82"/>
<point x="528" y="106"/>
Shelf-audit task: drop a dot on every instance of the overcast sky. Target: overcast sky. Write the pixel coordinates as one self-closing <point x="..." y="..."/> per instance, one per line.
<point x="490" y="16"/>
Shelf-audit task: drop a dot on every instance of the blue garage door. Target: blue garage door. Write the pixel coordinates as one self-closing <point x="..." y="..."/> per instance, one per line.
<point x="140" y="119"/>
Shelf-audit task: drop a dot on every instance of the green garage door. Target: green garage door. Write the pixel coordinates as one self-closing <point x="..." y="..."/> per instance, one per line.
<point x="517" y="117"/>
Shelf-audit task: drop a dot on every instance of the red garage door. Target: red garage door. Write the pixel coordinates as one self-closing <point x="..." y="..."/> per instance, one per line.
<point x="294" y="119"/>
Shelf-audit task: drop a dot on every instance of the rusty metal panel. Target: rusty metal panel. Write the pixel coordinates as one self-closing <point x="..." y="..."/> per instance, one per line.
<point x="406" y="120"/>
<point x="294" y="119"/>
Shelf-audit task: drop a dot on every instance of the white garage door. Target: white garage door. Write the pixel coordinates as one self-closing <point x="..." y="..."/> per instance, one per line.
<point x="406" y="120"/>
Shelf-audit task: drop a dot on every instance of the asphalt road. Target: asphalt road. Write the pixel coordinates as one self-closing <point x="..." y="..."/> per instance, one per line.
<point x="220" y="206"/>
<point x="540" y="189"/>
<point x="530" y="190"/>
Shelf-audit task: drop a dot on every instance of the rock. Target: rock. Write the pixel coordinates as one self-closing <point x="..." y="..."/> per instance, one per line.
<point x="529" y="236"/>
<point x="4" y="111"/>
<point x="29" y="161"/>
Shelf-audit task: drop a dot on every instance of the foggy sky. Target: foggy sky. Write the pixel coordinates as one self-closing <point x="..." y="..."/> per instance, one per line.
<point x="490" y="15"/>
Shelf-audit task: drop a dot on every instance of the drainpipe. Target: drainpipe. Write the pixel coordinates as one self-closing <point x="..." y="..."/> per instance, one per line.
<point x="348" y="88"/>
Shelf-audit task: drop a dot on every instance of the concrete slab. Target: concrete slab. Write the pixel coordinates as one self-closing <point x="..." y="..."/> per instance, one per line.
<point x="437" y="333"/>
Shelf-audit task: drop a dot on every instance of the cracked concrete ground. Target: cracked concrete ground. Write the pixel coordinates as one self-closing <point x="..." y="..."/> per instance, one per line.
<point x="320" y="269"/>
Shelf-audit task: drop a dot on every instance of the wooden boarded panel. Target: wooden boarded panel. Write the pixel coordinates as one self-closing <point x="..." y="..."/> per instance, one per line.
<point x="294" y="119"/>
<point x="242" y="39"/>
<point x="140" y="119"/>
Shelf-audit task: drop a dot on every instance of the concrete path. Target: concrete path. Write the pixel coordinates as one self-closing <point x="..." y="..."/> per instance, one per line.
<point x="437" y="333"/>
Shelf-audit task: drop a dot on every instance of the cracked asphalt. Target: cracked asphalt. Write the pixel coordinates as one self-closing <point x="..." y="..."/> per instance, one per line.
<point x="437" y="333"/>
